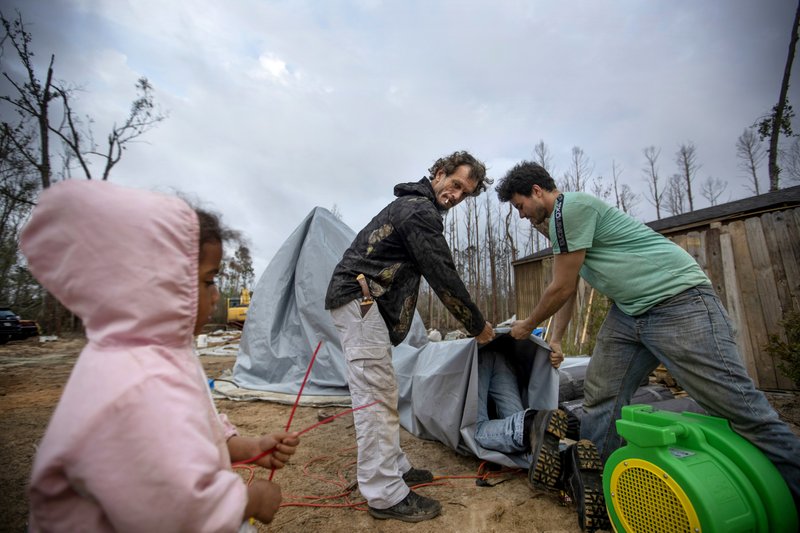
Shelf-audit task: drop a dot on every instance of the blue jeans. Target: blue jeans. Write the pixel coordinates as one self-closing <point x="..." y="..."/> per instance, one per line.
<point x="693" y="337"/>
<point x="497" y="379"/>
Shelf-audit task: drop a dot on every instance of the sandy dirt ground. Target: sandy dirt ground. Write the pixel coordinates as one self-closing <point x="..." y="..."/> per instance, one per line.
<point x="33" y="374"/>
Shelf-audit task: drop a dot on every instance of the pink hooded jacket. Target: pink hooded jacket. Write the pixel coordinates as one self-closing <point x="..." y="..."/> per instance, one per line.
<point x="135" y="443"/>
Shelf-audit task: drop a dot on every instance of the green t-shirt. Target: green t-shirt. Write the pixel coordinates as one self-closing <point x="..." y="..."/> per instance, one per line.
<point x="625" y="260"/>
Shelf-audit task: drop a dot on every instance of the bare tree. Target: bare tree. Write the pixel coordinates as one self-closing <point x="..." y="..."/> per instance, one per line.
<point x="628" y="200"/>
<point x="43" y="117"/>
<point x="17" y="194"/>
<point x="510" y="227"/>
<point x="477" y="237"/>
<point x="577" y="176"/>
<point x="780" y="119"/>
<point x="337" y="214"/>
<point x="492" y="252"/>
<point x="675" y="195"/>
<point x="35" y="103"/>
<point x="713" y="189"/>
<point x="751" y="154"/>
<point x="790" y="160"/>
<point x="625" y="198"/>
<point x="686" y="159"/>
<point x="236" y="273"/>
<point x="541" y="155"/>
<point x="615" y="173"/>
<point x="651" y="177"/>
<point x="509" y="219"/>
<point x="600" y="189"/>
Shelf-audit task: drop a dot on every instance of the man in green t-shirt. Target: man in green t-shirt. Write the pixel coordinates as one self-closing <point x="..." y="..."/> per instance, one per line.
<point x="665" y="311"/>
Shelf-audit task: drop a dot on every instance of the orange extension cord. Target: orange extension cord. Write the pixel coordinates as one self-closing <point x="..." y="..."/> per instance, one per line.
<point x="345" y="489"/>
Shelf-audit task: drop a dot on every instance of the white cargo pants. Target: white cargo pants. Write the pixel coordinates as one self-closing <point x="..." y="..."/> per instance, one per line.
<point x="370" y="375"/>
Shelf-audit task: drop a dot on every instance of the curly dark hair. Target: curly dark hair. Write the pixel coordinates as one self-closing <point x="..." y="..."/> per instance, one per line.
<point x="212" y="229"/>
<point x="522" y="178"/>
<point x="450" y="163"/>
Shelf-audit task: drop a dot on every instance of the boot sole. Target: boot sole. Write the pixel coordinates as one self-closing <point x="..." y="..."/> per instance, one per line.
<point x="592" y="514"/>
<point x="546" y="473"/>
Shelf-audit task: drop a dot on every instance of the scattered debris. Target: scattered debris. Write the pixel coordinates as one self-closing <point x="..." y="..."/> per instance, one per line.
<point x="455" y="335"/>
<point x="662" y="375"/>
<point x="219" y="342"/>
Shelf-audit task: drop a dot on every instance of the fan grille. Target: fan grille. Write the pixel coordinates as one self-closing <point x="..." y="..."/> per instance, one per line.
<point x="647" y="500"/>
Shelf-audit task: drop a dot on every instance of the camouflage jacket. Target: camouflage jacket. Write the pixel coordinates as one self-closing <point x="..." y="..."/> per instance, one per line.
<point x="403" y="242"/>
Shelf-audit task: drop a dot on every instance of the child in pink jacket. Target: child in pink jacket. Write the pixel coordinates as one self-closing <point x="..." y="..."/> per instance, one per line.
<point x="136" y="443"/>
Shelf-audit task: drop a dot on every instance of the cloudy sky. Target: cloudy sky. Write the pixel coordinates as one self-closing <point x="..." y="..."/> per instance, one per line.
<point x="276" y="107"/>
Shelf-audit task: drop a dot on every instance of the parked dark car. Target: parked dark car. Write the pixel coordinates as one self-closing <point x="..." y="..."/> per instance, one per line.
<point x="9" y="325"/>
<point x="28" y="328"/>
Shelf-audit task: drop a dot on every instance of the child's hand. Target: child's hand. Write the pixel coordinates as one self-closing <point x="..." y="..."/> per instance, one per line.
<point x="285" y="445"/>
<point x="246" y="448"/>
<point x="263" y="499"/>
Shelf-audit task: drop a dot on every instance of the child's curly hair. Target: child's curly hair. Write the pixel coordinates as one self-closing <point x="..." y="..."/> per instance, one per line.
<point x="213" y="230"/>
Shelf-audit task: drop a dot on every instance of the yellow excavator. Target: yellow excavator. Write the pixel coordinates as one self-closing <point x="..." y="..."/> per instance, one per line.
<point x="237" y="309"/>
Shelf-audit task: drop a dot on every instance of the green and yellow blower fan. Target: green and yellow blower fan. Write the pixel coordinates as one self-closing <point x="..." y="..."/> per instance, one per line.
<point x="686" y="472"/>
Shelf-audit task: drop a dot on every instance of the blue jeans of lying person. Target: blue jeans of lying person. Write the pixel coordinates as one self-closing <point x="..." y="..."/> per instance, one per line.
<point x="496" y="379"/>
<point x="693" y="337"/>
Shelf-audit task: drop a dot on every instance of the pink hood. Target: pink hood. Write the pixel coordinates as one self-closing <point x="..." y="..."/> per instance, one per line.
<point x="123" y="260"/>
<point x="135" y="443"/>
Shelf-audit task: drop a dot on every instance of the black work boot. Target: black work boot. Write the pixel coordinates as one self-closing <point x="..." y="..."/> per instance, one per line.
<point x="413" y="508"/>
<point x="417" y="476"/>
<point x="547" y="429"/>
<point x="583" y="481"/>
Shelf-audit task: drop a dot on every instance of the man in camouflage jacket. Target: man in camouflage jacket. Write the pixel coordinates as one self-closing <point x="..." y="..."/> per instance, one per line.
<point x="402" y="243"/>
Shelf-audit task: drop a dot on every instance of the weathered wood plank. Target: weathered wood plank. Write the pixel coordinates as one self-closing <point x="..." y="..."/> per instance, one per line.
<point x="734" y="306"/>
<point x="703" y="258"/>
<point x="774" y="245"/>
<point x="791" y="254"/>
<point x="714" y="261"/>
<point x="772" y="224"/>
<point x="531" y="282"/>
<point x="694" y="246"/>
<point x="764" y="273"/>
<point x="577" y="317"/>
<point x="586" y="319"/>
<point x="680" y="240"/>
<point x="766" y="286"/>
<point x="751" y="304"/>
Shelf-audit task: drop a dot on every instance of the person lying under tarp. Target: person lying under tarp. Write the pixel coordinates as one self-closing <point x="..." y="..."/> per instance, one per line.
<point x="505" y="425"/>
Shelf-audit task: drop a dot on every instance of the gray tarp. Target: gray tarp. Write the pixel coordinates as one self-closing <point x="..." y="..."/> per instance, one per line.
<point x="437" y="380"/>
<point x="287" y="317"/>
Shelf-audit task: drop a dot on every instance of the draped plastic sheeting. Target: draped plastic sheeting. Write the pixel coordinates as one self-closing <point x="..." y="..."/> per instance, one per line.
<point x="287" y="317"/>
<point x="437" y="380"/>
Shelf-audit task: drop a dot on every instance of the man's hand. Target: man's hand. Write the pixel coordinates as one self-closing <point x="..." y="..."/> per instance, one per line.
<point x="556" y="355"/>
<point x="521" y="329"/>
<point x="263" y="499"/>
<point x="486" y="335"/>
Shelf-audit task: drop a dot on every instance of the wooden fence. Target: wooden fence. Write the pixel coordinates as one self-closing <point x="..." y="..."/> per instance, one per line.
<point x="750" y="249"/>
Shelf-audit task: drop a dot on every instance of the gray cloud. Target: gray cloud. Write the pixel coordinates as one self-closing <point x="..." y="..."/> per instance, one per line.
<point x="276" y="107"/>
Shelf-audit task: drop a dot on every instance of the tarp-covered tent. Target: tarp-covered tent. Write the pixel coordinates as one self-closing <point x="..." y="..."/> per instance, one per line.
<point x="287" y="317"/>
<point x="437" y="380"/>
